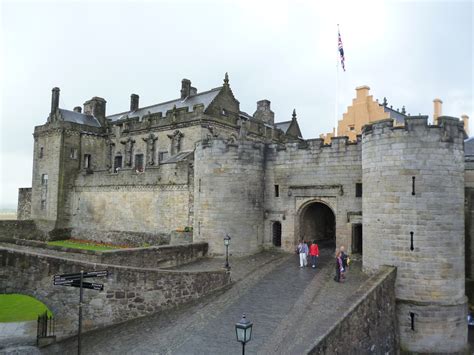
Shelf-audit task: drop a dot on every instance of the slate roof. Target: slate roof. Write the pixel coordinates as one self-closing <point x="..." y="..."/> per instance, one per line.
<point x="204" y="98"/>
<point x="469" y="146"/>
<point x="394" y="114"/>
<point x="283" y="125"/>
<point x="178" y="157"/>
<point x="80" y="118"/>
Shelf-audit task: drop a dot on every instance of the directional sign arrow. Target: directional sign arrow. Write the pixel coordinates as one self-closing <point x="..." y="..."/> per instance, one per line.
<point x="77" y="276"/>
<point x="75" y="283"/>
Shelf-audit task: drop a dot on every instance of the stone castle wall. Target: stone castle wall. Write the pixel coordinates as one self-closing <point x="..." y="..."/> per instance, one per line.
<point x="430" y="276"/>
<point x="228" y="195"/>
<point x="129" y="292"/>
<point x="309" y="172"/>
<point x="369" y="326"/>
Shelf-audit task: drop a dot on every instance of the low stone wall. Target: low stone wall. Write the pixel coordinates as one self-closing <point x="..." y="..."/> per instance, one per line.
<point x="129" y="292"/>
<point x="181" y="237"/>
<point x="370" y="325"/>
<point x="25" y="229"/>
<point x="150" y="257"/>
<point x="162" y="256"/>
<point x="133" y="239"/>
<point x="18" y="333"/>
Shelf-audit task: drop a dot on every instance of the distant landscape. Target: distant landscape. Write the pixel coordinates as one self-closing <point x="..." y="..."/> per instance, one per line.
<point x="7" y="213"/>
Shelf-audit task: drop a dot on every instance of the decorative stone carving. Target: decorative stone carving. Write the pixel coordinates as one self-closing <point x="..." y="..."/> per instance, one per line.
<point x="150" y="148"/>
<point x="110" y="154"/>
<point x="128" y="143"/>
<point x="175" y="142"/>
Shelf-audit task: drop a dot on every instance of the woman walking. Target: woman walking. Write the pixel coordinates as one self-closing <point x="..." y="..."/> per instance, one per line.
<point x="314" y="253"/>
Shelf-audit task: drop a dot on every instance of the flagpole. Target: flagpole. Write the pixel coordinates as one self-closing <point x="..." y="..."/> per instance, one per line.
<point x="337" y="84"/>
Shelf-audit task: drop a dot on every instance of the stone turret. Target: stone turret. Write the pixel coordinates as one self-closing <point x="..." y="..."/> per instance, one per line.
<point x="413" y="218"/>
<point x="437" y="110"/>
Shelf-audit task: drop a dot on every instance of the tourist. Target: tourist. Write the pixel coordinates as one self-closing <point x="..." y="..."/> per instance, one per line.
<point x="314" y="253"/>
<point x="303" y="252"/>
<point x="345" y="260"/>
<point x="339" y="268"/>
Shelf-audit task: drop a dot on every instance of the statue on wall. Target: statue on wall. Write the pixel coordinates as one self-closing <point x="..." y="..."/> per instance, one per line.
<point x="150" y="148"/>
<point x="129" y="142"/>
<point x="175" y="142"/>
<point x="110" y="154"/>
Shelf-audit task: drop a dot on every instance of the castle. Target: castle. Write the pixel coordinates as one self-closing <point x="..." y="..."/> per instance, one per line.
<point x="395" y="194"/>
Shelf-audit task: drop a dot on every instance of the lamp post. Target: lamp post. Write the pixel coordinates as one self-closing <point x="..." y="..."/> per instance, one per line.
<point x="243" y="331"/>
<point x="226" y="243"/>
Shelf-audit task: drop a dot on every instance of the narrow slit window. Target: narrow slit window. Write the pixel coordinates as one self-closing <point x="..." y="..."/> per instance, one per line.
<point x="412" y="321"/>
<point x="411" y="241"/>
<point x="359" y="189"/>
<point x="413" y="185"/>
<point x="87" y="161"/>
<point x="41" y="152"/>
<point x="199" y="183"/>
<point x="277" y="190"/>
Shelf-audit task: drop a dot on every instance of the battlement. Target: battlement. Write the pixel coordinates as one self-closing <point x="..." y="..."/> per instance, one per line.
<point x="448" y="129"/>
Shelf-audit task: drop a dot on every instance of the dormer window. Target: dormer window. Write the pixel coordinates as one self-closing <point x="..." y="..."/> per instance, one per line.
<point x="224" y="112"/>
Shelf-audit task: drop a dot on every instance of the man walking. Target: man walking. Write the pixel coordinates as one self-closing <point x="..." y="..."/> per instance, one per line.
<point x="303" y="252"/>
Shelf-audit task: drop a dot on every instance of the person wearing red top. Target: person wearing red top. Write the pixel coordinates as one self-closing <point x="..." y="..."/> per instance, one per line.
<point x="314" y="253"/>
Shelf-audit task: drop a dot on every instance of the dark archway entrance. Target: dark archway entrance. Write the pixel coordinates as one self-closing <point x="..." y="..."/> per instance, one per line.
<point x="357" y="238"/>
<point x="318" y="223"/>
<point x="276" y="231"/>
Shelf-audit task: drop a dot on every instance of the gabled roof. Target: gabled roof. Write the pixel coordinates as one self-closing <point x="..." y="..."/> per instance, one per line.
<point x="80" y="118"/>
<point x="204" y="98"/>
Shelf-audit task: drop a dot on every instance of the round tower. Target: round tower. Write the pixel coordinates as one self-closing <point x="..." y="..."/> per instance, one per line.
<point x="413" y="218"/>
<point x="228" y="195"/>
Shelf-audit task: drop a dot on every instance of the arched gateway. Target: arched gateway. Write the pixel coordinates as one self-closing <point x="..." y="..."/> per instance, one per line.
<point x="318" y="222"/>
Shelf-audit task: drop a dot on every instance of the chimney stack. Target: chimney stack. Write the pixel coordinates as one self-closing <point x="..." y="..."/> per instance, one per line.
<point x="193" y="91"/>
<point x="437" y="110"/>
<point x="96" y="108"/>
<point x="54" y="100"/>
<point x="264" y="112"/>
<point x="134" y="102"/>
<point x="185" y="88"/>
<point x="362" y="92"/>
<point x="465" y="120"/>
<point x="78" y="109"/>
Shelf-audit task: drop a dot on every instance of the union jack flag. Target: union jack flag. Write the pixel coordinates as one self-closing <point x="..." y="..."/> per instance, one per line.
<point x="341" y="49"/>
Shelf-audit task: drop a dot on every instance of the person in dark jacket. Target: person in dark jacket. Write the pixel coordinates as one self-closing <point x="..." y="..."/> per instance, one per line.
<point x="339" y="268"/>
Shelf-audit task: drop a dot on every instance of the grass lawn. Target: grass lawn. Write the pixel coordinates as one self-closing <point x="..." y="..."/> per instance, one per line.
<point x="19" y="308"/>
<point x="81" y="245"/>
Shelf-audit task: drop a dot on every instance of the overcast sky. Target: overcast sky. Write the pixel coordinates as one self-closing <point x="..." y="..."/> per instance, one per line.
<point x="284" y="51"/>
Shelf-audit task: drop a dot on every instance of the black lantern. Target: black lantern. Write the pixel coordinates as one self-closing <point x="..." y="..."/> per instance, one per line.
<point x="226" y="243"/>
<point x="243" y="331"/>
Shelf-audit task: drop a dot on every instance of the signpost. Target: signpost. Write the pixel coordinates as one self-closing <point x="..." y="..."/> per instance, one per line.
<point x="77" y="280"/>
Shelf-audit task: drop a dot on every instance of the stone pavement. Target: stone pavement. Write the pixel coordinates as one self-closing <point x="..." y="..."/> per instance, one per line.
<point x="289" y="307"/>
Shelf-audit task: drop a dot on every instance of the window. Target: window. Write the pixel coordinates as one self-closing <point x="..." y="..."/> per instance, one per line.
<point x="358" y="189"/>
<point x="117" y="163"/>
<point x="43" y="204"/>
<point x="139" y="163"/>
<point x="44" y="180"/>
<point x="41" y="152"/>
<point x="73" y="153"/>
<point x="87" y="161"/>
<point x="351" y="127"/>
<point x="277" y="190"/>
<point x="162" y="156"/>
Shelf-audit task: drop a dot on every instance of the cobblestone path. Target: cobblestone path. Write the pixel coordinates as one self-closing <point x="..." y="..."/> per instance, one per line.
<point x="289" y="307"/>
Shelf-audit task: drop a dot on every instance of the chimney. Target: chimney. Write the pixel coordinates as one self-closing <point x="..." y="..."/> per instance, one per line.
<point x="134" y="100"/>
<point x="437" y="110"/>
<point x="465" y="120"/>
<point x="96" y="108"/>
<point x="264" y="112"/>
<point x="185" y="88"/>
<point x="362" y="92"/>
<point x="54" y="100"/>
<point x="78" y="109"/>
